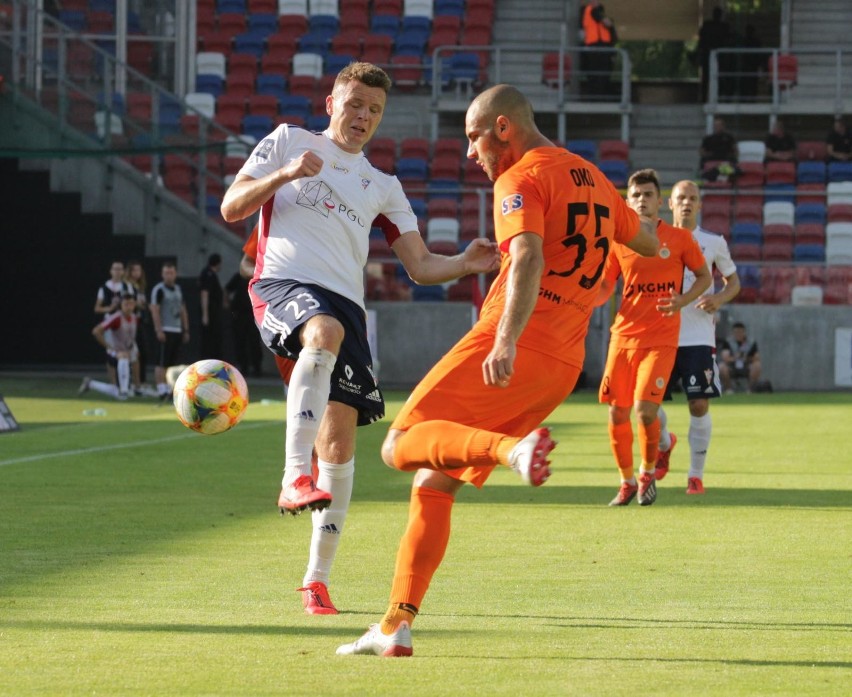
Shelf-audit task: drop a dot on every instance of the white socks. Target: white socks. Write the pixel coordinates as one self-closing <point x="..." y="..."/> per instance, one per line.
<point x="307" y="398"/>
<point x="665" y="436"/>
<point x="123" y="371"/>
<point x="700" y="428"/>
<point x="328" y="523"/>
<point x="106" y="388"/>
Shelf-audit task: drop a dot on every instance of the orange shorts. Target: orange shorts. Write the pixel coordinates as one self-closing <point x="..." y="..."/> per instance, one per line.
<point x="633" y="375"/>
<point x="454" y="390"/>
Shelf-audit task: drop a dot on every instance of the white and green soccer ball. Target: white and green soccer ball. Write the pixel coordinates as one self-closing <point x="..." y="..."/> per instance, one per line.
<point x="210" y="396"/>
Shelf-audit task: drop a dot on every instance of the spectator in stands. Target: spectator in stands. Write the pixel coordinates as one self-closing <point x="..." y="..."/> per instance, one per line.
<point x="839" y="142"/>
<point x="739" y="358"/>
<point x="714" y="33"/>
<point x="598" y="32"/>
<point x="213" y="304"/>
<point x="109" y="294"/>
<point x="720" y="148"/>
<point x="780" y="145"/>
<point x="308" y="291"/>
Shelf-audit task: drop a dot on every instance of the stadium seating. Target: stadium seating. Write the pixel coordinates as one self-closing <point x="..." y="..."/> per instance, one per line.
<point x="550" y="69"/>
<point x="786" y="68"/>
<point x="810" y="213"/>
<point x="583" y="147"/>
<point x="809" y="252"/>
<point x="777" y="212"/>
<point x="751" y="151"/>
<point x="747" y="233"/>
<point x="839" y="171"/>
<point x="809" y="233"/>
<point x="814" y="150"/>
<point x="811" y="172"/>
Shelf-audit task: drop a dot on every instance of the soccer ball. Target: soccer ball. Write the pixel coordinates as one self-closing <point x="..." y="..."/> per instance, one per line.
<point x="210" y="396"/>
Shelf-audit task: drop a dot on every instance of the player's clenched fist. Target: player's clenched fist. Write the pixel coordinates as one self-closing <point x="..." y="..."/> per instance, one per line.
<point x="308" y="164"/>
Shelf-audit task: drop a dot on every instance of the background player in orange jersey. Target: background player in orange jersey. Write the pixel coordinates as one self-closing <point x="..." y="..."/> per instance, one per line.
<point x="644" y="336"/>
<point x="481" y="405"/>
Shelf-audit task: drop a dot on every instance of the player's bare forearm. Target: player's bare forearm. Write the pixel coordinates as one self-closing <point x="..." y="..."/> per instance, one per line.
<point x="247" y="194"/>
<point x="426" y="268"/>
<point x="522" y="288"/>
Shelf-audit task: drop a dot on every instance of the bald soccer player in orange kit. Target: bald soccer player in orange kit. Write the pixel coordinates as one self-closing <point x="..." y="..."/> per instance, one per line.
<point x="482" y="404"/>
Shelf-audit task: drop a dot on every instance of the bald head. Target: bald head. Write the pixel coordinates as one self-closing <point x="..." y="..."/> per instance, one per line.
<point x="503" y="100"/>
<point x="685" y="203"/>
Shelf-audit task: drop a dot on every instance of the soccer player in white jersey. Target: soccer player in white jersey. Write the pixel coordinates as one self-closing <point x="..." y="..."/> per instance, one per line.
<point x="695" y="364"/>
<point x="318" y="195"/>
<point x="117" y="334"/>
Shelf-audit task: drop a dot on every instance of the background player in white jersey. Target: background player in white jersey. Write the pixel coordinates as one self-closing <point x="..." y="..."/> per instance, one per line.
<point x="695" y="364"/>
<point x="117" y="334"/>
<point x="318" y="196"/>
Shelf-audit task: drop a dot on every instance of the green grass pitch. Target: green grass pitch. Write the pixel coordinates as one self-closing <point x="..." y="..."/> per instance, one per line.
<point x="139" y="558"/>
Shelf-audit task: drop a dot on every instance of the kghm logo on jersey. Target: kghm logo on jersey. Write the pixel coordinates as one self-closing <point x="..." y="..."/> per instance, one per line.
<point x="512" y="203"/>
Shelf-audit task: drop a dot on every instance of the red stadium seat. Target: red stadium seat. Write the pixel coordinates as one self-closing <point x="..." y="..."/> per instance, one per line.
<point x="550" y="69"/>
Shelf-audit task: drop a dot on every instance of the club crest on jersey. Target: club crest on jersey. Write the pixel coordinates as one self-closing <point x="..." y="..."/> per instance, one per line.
<point x="365" y="182"/>
<point x="263" y="149"/>
<point x="665" y="252"/>
<point x="660" y="382"/>
<point x="512" y="203"/>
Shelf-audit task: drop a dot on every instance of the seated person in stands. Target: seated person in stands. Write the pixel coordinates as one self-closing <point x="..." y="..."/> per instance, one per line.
<point x="719" y="147"/>
<point x="739" y="358"/>
<point x="780" y="145"/>
<point x="839" y="142"/>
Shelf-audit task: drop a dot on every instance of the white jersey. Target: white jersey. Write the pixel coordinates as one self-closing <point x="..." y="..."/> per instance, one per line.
<point x="697" y="327"/>
<point x="120" y="333"/>
<point x="316" y="230"/>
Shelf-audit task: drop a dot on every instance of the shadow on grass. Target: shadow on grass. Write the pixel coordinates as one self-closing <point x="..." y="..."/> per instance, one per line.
<point x="165" y="628"/>
<point x="668" y="498"/>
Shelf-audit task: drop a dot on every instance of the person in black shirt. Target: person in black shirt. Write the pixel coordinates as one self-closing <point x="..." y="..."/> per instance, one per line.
<point x="780" y="145"/>
<point x="839" y="142"/>
<point x="212" y="308"/>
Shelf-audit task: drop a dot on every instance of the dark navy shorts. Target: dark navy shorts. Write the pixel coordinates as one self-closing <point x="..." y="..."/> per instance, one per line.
<point x="696" y="370"/>
<point x="286" y="305"/>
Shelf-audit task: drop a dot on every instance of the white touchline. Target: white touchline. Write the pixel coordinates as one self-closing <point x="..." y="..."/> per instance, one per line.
<point x="115" y="446"/>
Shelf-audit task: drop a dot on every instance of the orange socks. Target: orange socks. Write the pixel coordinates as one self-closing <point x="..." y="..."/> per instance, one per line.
<point x="649" y="444"/>
<point x="420" y="553"/>
<point x="445" y="445"/>
<point x="621" y="440"/>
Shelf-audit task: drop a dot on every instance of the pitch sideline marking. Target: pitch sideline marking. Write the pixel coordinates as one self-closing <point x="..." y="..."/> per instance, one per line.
<point x="115" y="446"/>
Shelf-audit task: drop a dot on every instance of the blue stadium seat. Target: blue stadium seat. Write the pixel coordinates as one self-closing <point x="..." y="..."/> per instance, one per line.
<point x="212" y="84"/>
<point x="296" y="105"/>
<point x="257" y="126"/>
<point x="585" y="148"/>
<point x="264" y="24"/>
<point x="272" y="84"/>
<point x="443" y="188"/>
<point x="76" y="19"/>
<point x="314" y="42"/>
<point x="317" y="122"/>
<point x="410" y="44"/>
<point x="809" y="252"/>
<point x="335" y="62"/>
<point x="747" y="233"/>
<point x="230" y="6"/>
<point x="250" y="42"/>
<point x="810" y="213"/>
<point x="811" y="172"/>
<point x="465" y="68"/>
<point x="840" y="171"/>
<point x="444" y="72"/>
<point x="616" y="171"/>
<point x="428" y="293"/>
<point x="412" y="168"/>
<point x="780" y="192"/>
<point x="449" y="7"/>
<point x="384" y="24"/>
<point x="418" y="205"/>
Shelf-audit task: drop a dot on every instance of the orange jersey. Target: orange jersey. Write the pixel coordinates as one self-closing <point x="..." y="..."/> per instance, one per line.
<point x="250" y="247"/>
<point x="576" y="210"/>
<point x="639" y="324"/>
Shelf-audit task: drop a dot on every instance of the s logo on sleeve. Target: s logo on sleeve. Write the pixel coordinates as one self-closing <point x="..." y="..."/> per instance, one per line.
<point x="512" y="203"/>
